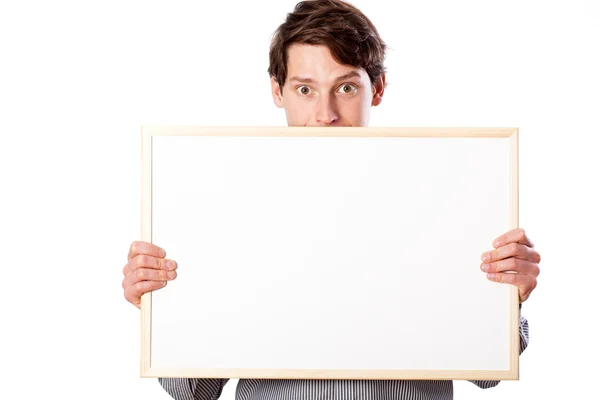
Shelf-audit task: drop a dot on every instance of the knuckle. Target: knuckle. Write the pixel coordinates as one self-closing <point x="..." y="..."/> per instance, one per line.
<point x="140" y="260"/>
<point x="521" y="233"/>
<point x="514" y="247"/>
<point x="140" y="274"/>
<point x="495" y="254"/>
<point x="138" y="289"/>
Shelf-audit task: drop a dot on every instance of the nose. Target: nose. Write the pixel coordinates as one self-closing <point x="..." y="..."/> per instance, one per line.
<point x="326" y="113"/>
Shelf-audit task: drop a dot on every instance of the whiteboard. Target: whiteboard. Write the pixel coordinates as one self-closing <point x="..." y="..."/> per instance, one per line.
<point x="333" y="253"/>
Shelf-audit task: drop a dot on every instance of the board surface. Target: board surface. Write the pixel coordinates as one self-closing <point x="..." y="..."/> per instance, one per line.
<point x="348" y="253"/>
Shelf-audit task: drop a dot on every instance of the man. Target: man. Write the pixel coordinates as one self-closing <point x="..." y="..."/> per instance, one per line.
<point x="326" y="68"/>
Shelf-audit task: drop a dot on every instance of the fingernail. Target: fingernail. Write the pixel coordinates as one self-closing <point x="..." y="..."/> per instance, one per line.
<point x="485" y="267"/>
<point x="485" y="257"/>
<point x="491" y="275"/>
<point x="170" y="265"/>
<point x="171" y="274"/>
<point x="163" y="253"/>
<point x="496" y="243"/>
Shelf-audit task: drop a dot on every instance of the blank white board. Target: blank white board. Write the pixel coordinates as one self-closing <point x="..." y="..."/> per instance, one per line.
<point x="346" y="253"/>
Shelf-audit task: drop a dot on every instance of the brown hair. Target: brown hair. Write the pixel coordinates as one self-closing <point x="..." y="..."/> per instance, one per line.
<point x="344" y="29"/>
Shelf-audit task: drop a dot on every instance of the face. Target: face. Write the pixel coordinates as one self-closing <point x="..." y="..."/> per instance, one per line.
<point x="319" y="91"/>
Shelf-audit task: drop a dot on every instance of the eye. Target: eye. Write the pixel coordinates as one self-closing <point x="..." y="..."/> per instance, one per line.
<point x="347" y="88"/>
<point x="303" y="90"/>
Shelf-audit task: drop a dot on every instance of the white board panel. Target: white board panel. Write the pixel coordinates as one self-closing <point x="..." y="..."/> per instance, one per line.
<point x="349" y="255"/>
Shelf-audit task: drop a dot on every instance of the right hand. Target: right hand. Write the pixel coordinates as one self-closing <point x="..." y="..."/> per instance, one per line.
<point x="147" y="269"/>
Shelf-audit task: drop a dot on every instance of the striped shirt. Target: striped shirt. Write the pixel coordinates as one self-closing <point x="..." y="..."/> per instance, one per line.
<point x="305" y="389"/>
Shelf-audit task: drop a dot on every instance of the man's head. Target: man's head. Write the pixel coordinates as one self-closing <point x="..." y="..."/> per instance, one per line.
<point x="326" y="65"/>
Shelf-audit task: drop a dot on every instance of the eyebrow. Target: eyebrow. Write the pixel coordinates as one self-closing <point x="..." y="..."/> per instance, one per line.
<point x="349" y="75"/>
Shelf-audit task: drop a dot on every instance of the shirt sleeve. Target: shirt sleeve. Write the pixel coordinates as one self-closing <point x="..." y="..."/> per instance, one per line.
<point x="193" y="388"/>
<point x="523" y="343"/>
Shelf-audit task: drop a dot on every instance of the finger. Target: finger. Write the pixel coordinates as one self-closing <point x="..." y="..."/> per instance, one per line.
<point x="134" y="293"/>
<point x="146" y="261"/>
<point x="525" y="283"/>
<point x="148" y="274"/>
<point x="511" y="250"/>
<point x="150" y="249"/>
<point x="518" y="280"/>
<point x="512" y="264"/>
<point x="516" y="235"/>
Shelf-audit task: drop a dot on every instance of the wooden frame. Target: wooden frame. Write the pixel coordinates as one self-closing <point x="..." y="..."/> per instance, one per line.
<point x="147" y="369"/>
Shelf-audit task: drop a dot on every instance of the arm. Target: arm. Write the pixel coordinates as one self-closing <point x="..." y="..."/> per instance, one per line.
<point x="513" y="252"/>
<point x="146" y="270"/>
<point x="193" y="388"/>
<point x="523" y="342"/>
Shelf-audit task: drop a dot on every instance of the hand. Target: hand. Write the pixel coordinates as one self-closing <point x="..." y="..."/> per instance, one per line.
<point x="146" y="270"/>
<point x="514" y="252"/>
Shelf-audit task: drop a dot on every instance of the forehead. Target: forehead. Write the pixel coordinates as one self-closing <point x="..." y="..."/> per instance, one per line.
<point x="317" y="63"/>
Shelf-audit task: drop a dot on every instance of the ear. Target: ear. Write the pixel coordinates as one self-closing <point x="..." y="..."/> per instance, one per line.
<point x="276" y="92"/>
<point x="378" y="90"/>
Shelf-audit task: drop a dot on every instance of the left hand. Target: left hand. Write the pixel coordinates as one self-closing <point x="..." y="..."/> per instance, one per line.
<point x="513" y="252"/>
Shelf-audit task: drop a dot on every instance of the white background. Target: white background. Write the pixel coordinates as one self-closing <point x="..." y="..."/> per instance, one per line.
<point x="77" y="79"/>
